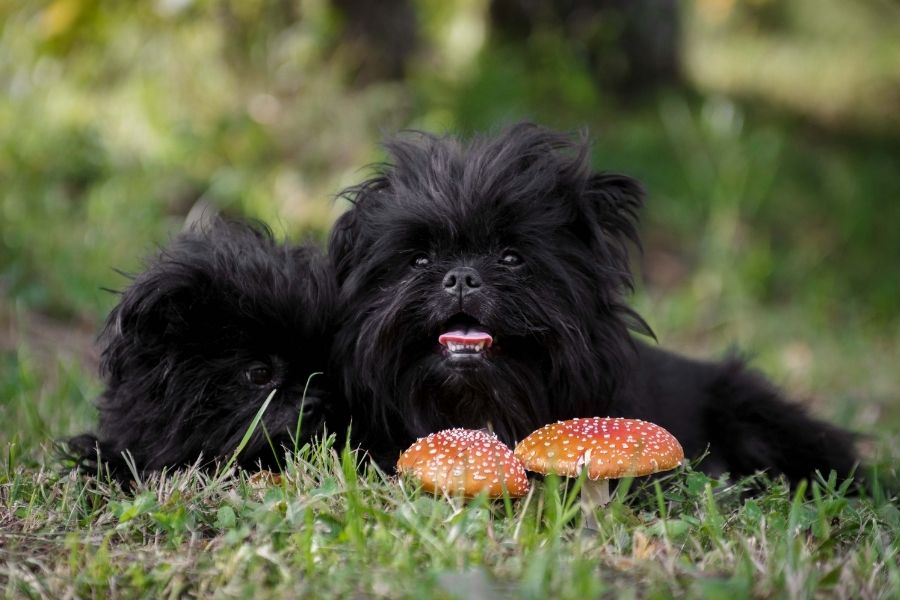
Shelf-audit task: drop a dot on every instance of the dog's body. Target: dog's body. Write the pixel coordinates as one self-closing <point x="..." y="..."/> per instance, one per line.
<point x="197" y="343"/>
<point x="483" y="285"/>
<point x="742" y="419"/>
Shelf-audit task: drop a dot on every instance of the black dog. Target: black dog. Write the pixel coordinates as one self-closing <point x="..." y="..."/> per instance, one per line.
<point x="201" y="339"/>
<point x="483" y="286"/>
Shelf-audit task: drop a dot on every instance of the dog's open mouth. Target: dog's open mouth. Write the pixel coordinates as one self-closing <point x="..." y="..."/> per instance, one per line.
<point x="464" y="337"/>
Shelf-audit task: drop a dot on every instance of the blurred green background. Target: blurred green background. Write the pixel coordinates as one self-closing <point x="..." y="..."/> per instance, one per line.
<point x="767" y="132"/>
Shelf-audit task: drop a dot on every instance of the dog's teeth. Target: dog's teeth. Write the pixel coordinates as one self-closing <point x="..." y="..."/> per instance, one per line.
<point x="465" y="347"/>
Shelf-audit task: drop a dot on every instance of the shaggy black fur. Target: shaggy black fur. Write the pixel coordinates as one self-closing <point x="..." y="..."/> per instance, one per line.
<point x="515" y="236"/>
<point x="200" y="339"/>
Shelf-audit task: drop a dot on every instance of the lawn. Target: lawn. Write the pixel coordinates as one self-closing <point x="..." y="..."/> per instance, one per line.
<point x="770" y="226"/>
<point x="328" y="527"/>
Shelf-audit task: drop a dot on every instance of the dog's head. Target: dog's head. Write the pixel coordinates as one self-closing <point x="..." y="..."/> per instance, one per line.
<point x="202" y="337"/>
<point x="483" y="282"/>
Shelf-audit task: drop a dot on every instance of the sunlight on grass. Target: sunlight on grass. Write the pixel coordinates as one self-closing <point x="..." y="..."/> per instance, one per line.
<point x="328" y="528"/>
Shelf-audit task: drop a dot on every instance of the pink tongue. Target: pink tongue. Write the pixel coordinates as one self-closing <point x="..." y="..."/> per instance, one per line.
<point x="471" y="336"/>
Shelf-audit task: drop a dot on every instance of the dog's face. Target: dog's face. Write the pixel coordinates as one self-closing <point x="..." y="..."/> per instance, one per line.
<point x="483" y="283"/>
<point x="200" y="340"/>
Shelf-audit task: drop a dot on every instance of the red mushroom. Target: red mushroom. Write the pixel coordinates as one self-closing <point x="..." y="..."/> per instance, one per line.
<point x="607" y="448"/>
<point x="464" y="462"/>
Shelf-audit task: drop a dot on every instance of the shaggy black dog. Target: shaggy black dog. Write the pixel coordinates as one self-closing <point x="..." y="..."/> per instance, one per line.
<point x="198" y="342"/>
<point x="483" y="286"/>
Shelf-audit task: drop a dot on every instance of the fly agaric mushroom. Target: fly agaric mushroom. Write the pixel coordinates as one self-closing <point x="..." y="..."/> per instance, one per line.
<point x="607" y="448"/>
<point x="464" y="462"/>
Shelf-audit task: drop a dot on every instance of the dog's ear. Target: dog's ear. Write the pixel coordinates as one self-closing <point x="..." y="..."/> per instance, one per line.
<point x="618" y="199"/>
<point x="609" y="207"/>
<point x="155" y="310"/>
<point x="343" y="239"/>
<point x="608" y="223"/>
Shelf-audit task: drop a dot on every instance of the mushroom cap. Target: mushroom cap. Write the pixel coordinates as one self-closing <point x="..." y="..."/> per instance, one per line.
<point x="464" y="462"/>
<point x="608" y="447"/>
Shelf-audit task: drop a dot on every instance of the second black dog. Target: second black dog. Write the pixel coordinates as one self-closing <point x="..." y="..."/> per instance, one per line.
<point x="484" y="284"/>
<point x="199" y="340"/>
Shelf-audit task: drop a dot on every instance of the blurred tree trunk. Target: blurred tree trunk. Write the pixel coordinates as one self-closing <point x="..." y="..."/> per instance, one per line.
<point x="631" y="46"/>
<point x="382" y="36"/>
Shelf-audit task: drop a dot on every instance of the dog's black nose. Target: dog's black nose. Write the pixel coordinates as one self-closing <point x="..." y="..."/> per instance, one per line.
<point x="461" y="281"/>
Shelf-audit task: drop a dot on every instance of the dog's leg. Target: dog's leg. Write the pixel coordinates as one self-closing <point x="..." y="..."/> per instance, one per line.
<point x="87" y="451"/>
<point x="752" y="428"/>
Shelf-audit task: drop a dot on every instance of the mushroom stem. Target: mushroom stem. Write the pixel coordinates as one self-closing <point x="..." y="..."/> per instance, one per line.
<point x="594" y="492"/>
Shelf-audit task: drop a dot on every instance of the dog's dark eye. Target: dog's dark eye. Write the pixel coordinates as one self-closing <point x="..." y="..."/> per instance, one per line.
<point x="259" y="374"/>
<point x="510" y="259"/>
<point x="421" y="260"/>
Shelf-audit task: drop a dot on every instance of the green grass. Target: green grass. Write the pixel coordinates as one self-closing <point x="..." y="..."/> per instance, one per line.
<point x="326" y="529"/>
